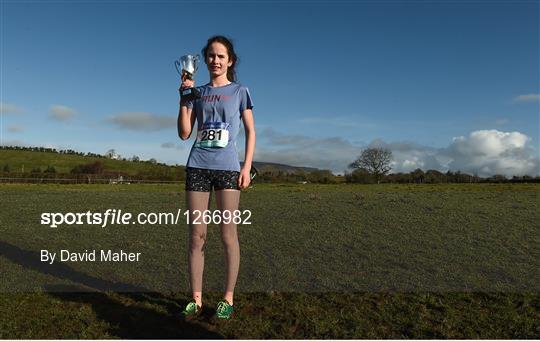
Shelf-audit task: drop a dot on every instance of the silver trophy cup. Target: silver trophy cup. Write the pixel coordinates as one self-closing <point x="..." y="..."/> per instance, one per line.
<point x="187" y="66"/>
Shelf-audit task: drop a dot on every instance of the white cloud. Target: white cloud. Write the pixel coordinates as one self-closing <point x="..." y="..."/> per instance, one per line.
<point x="408" y="156"/>
<point x="142" y="121"/>
<point x="7" y="108"/>
<point x="168" y="145"/>
<point x="171" y="145"/>
<point x="527" y="98"/>
<point x="62" y="113"/>
<point x="488" y="152"/>
<point x="484" y="152"/>
<point x="15" y="129"/>
<point x="325" y="153"/>
<point x="17" y="143"/>
<point x="489" y="143"/>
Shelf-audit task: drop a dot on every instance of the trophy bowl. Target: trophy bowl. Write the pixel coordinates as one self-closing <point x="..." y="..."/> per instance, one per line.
<point x="186" y="67"/>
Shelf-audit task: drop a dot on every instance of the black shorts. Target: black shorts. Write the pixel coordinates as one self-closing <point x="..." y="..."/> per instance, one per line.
<point x="203" y="180"/>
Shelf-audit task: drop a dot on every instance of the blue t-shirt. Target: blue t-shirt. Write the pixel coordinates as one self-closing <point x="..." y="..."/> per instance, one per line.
<point x="218" y="109"/>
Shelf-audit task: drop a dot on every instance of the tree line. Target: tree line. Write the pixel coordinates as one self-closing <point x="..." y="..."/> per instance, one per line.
<point x="432" y="177"/>
<point x="110" y="154"/>
<point x="50" y="150"/>
<point x="372" y="166"/>
<point x="96" y="170"/>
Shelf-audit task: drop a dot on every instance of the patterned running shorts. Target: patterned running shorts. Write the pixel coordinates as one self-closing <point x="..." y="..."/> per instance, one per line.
<point x="202" y="180"/>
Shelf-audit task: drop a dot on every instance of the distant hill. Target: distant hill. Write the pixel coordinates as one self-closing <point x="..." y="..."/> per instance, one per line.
<point x="275" y="167"/>
<point x="26" y="160"/>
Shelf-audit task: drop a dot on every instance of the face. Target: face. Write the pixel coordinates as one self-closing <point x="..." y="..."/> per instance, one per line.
<point x="217" y="59"/>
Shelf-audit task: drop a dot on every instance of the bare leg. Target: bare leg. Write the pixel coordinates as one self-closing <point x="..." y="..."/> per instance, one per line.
<point x="228" y="199"/>
<point x="196" y="201"/>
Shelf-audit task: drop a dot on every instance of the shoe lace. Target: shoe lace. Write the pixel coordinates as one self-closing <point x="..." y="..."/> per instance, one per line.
<point x="221" y="308"/>
<point x="192" y="306"/>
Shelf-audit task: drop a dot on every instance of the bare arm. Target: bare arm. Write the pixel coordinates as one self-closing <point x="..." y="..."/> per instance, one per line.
<point x="186" y="121"/>
<point x="186" y="116"/>
<point x="249" y="127"/>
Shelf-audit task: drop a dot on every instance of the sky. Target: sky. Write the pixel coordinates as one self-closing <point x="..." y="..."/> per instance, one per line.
<point x="446" y="85"/>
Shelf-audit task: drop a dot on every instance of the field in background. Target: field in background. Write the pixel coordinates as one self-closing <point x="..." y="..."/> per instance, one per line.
<point x="492" y="219"/>
<point x="25" y="161"/>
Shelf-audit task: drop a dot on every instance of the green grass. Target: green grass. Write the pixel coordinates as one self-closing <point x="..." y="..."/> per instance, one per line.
<point x="319" y="261"/>
<point x="64" y="163"/>
<point x="278" y="315"/>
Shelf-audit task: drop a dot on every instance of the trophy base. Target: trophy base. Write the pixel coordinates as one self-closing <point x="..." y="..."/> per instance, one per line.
<point x="190" y="94"/>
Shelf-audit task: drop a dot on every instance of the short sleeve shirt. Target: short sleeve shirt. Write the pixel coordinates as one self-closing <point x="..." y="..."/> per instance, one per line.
<point x="219" y="107"/>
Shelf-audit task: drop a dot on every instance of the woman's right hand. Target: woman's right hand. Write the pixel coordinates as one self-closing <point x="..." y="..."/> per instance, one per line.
<point x="187" y="83"/>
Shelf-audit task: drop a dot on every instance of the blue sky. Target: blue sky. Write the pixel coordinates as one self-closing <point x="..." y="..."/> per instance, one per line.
<point x="443" y="84"/>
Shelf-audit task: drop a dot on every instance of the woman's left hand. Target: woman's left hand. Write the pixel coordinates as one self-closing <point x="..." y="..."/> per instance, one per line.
<point x="244" y="179"/>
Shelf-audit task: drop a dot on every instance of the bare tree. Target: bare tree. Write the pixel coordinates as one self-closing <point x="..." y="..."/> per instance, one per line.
<point x="374" y="160"/>
<point x="111" y="154"/>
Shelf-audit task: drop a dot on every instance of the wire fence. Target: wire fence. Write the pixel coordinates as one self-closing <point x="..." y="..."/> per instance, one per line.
<point x="85" y="181"/>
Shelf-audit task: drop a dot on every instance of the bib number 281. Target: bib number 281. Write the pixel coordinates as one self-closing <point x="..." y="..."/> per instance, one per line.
<point x="213" y="135"/>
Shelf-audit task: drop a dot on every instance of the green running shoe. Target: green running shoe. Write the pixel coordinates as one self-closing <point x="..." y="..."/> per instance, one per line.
<point x="224" y="310"/>
<point x="192" y="310"/>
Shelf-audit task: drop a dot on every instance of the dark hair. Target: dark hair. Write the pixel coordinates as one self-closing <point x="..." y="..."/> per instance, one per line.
<point x="231" y="72"/>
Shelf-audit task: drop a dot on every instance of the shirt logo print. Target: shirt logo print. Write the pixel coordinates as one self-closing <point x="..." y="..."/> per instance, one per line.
<point x="215" y="98"/>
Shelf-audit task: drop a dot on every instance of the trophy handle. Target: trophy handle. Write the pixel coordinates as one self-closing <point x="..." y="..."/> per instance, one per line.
<point x="178" y="67"/>
<point x="253" y="172"/>
<point x="196" y="60"/>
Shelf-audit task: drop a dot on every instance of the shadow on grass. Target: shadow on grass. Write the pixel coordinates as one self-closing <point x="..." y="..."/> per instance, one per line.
<point x="135" y="321"/>
<point x="32" y="260"/>
<point x="132" y="321"/>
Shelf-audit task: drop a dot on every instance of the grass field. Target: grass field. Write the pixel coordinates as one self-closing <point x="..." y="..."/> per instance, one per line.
<point x="19" y="160"/>
<point x="318" y="261"/>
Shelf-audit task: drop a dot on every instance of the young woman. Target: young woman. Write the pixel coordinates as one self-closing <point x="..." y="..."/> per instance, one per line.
<point x="213" y="163"/>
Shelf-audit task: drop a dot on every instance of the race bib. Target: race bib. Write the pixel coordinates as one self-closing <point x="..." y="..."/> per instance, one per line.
<point x="213" y="135"/>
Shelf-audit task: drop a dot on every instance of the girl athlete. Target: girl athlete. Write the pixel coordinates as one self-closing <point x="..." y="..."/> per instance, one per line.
<point x="213" y="163"/>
